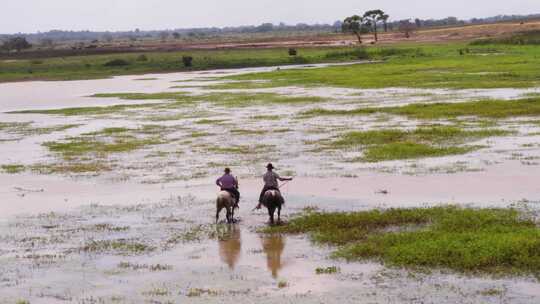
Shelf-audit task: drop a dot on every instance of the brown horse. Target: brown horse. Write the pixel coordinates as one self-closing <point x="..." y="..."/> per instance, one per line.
<point x="226" y="201"/>
<point x="273" y="200"/>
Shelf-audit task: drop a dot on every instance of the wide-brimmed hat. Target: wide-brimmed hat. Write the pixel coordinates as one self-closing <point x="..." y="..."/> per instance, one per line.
<point x="270" y="166"/>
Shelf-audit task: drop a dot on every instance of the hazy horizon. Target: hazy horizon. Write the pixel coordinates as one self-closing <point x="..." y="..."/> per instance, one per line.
<point x="28" y="16"/>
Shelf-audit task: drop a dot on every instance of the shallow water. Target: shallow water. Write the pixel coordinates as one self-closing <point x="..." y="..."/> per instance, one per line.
<point x="155" y="195"/>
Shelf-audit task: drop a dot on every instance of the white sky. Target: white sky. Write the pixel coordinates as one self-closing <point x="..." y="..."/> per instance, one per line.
<point x="44" y="15"/>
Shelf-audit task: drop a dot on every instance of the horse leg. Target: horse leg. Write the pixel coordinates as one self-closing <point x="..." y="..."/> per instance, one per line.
<point x="218" y="210"/>
<point x="271" y="214"/>
<point x="279" y="214"/>
<point x="232" y="214"/>
<point x="229" y="218"/>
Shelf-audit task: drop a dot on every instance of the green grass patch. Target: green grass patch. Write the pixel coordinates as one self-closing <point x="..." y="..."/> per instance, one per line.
<point x="496" y="241"/>
<point x="435" y="66"/>
<point x="12" y="168"/>
<point x="177" y="96"/>
<point x="248" y="132"/>
<point x="81" y="167"/>
<point x="254" y="99"/>
<point x="239" y="85"/>
<point x="86" y="110"/>
<point x="120" y="246"/>
<point x="241" y="149"/>
<point x="23" y="129"/>
<point x="99" y="66"/>
<point x="409" y="150"/>
<point x="106" y="141"/>
<point x="392" y="144"/>
<point x="482" y="108"/>
<point x="79" y="146"/>
<point x="327" y="270"/>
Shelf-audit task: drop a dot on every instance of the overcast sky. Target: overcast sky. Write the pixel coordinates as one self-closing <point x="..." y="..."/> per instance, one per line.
<point x="44" y="15"/>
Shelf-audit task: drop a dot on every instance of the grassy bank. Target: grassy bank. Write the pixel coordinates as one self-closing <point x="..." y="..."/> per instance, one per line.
<point x="497" y="241"/>
<point x="455" y="66"/>
<point x="102" y="66"/>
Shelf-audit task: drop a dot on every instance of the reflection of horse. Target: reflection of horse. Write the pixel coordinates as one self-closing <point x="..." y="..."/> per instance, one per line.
<point x="273" y="200"/>
<point x="230" y="245"/>
<point x="227" y="201"/>
<point x="273" y="246"/>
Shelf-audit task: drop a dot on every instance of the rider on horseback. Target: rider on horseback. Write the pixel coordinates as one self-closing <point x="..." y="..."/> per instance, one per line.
<point x="270" y="182"/>
<point x="230" y="184"/>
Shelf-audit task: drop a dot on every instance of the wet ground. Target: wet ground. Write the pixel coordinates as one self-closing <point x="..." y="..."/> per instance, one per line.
<point x="144" y="231"/>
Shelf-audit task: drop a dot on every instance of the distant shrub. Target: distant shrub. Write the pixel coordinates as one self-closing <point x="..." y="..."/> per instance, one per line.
<point x="188" y="61"/>
<point x="116" y="63"/>
<point x="293" y="52"/>
<point x="142" y="57"/>
<point x="36" y="61"/>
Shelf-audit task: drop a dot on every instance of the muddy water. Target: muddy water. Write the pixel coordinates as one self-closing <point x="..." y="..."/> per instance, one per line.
<point x="49" y="222"/>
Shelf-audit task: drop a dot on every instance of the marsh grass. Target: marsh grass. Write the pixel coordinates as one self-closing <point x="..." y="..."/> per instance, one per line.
<point x="12" y="168"/>
<point x="391" y="144"/>
<point x="71" y="167"/>
<point x="496" y="241"/>
<point x="23" y="129"/>
<point x="241" y="149"/>
<point x="248" y="132"/>
<point x="151" y="267"/>
<point x="79" y="146"/>
<point x="257" y="99"/>
<point x="120" y="246"/>
<point x="177" y="96"/>
<point x="327" y="270"/>
<point x="87" y="110"/>
<point x="239" y="85"/>
<point x="482" y="108"/>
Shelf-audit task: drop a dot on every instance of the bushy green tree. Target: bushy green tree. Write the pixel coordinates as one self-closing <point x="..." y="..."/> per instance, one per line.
<point x="353" y="24"/>
<point x="372" y="19"/>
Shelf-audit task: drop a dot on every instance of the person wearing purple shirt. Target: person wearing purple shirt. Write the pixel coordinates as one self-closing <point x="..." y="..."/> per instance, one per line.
<point x="229" y="183"/>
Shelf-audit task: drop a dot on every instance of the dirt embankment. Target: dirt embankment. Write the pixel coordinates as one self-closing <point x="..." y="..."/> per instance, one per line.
<point x="431" y="35"/>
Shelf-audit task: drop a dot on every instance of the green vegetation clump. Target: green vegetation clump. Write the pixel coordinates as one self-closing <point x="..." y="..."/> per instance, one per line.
<point x="78" y="146"/>
<point x="22" y="129"/>
<point x="482" y="108"/>
<point x="118" y="246"/>
<point x="327" y="270"/>
<point x="497" y="241"/>
<point x="116" y="63"/>
<point x="391" y="144"/>
<point x="12" y="169"/>
<point x="86" y="110"/>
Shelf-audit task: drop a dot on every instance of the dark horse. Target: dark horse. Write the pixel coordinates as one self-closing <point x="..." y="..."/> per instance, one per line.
<point x="273" y="200"/>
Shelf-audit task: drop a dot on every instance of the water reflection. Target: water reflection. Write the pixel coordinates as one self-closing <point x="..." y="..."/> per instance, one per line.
<point x="230" y="244"/>
<point x="273" y="245"/>
<point x="230" y="247"/>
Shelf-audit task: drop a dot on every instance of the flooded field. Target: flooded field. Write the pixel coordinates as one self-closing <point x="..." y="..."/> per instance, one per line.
<point x="107" y="187"/>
